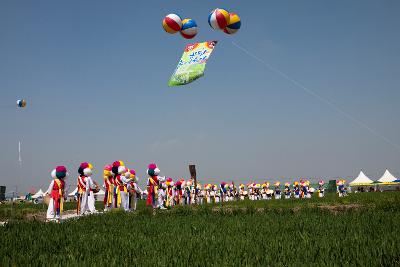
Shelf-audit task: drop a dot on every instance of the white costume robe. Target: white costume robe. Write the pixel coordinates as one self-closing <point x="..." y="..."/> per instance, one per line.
<point x="133" y="190"/>
<point x="161" y="197"/>
<point x="208" y="198"/>
<point x="84" y="205"/>
<point x="91" y="202"/>
<point x="125" y="195"/>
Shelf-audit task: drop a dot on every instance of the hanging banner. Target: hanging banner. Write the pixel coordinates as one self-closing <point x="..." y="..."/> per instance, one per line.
<point x="192" y="63"/>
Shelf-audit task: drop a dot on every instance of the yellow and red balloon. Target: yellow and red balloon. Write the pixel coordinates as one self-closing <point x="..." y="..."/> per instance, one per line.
<point x="218" y="19"/>
<point x="172" y="23"/>
<point x="234" y="24"/>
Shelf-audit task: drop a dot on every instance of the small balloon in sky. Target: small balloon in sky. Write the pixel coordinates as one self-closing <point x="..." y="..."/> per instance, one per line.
<point x="234" y="24"/>
<point x="21" y="103"/>
<point x="218" y="19"/>
<point x="172" y="23"/>
<point x="189" y="28"/>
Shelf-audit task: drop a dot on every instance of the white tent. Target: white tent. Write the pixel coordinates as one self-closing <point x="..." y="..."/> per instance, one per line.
<point x="100" y="193"/>
<point x="38" y="194"/>
<point x="73" y="192"/>
<point x="387" y="177"/>
<point x="361" y="179"/>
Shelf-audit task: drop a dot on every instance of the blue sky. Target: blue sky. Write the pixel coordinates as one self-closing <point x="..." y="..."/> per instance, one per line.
<point x="95" y="76"/>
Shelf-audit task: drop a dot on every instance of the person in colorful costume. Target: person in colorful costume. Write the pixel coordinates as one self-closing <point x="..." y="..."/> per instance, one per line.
<point x="263" y="191"/>
<point x="211" y="193"/>
<point x="91" y="199"/>
<point x="184" y="192"/>
<point x="227" y="192"/>
<point x="133" y="190"/>
<point x="310" y="189"/>
<point x="254" y="189"/>
<point x="188" y="192"/>
<point x="108" y="186"/>
<point x="123" y="181"/>
<point x="115" y="194"/>
<point x="192" y="191"/>
<point x="321" y="189"/>
<point x="125" y="194"/>
<point x="235" y="192"/>
<point x="251" y="191"/>
<point x="121" y="197"/>
<point x="245" y="194"/>
<point x="304" y="191"/>
<point x="257" y="191"/>
<point x="199" y="194"/>
<point x="344" y="188"/>
<point x="222" y="191"/>
<point x="207" y="193"/>
<point x="278" y="190"/>
<point x="296" y="189"/>
<point x="170" y="192"/>
<point x="241" y="192"/>
<point x="341" y="188"/>
<point x="178" y="192"/>
<point x="152" y="184"/>
<point x="57" y="193"/>
<point x="287" y="191"/>
<point x="85" y="184"/>
<point x="183" y="185"/>
<point x="269" y="191"/>
<point x="217" y="194"/>
<point x="161" y="195"/>
<point x="230" y="192"/>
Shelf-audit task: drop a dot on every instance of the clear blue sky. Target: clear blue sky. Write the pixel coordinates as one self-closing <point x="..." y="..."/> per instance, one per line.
<point x="95" y="76"/>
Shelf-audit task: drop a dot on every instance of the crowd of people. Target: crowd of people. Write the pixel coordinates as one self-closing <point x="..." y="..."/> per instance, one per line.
<point x="122" y="190"/>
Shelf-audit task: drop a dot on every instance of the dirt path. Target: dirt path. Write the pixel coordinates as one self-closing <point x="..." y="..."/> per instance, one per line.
<point x="66" y="215"/>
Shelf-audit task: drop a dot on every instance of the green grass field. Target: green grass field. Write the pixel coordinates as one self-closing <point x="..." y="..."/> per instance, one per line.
<point x="362" y="229"/>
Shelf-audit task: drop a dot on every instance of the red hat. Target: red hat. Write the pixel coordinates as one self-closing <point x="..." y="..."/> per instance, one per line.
<point x="152" y="166"/>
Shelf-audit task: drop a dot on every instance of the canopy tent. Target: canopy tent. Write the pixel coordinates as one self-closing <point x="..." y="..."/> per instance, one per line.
<point x="73" y="192"/>
<point x="387" y="179"/>
<point x="38" y="194"/>
<point x="100" y="193"/>
<point x="361" y="179"/>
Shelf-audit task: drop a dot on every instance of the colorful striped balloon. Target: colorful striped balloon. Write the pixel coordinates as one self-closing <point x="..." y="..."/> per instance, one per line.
<point x="172" y="23"/>
<point x="189" y="28"/>
<point x="234" y="24"/>
<point x="218" y="19"/>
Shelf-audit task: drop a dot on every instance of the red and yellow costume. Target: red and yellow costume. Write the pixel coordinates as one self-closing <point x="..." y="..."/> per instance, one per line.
<point x="108" y="186"/>
<point x="170" y="193"/>
<point x="152" y="188"/>
<point x="57" y="193"/>
<point x="85" y="186"/>
<point x="118" y="169"/>
<point x="152" y="185"/>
